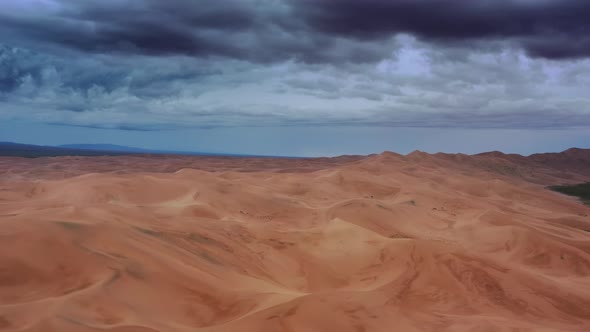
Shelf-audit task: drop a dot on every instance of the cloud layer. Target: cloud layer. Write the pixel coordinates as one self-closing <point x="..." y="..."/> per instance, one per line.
<point x="544" y="28"/>
<point x="305" y="30"/>
<point x="156" y="65"/>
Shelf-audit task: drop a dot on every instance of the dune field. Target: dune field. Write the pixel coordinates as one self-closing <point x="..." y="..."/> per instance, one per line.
<point x="421" y="242"/>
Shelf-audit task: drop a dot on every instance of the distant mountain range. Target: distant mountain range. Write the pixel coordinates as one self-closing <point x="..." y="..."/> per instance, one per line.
<point x="130" y="149"/>
<point x="105" y="147"/>
<point x="32" y="151"/>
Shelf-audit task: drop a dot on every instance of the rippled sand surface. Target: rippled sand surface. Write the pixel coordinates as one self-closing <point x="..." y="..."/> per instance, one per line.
<point x="377" y="243"/>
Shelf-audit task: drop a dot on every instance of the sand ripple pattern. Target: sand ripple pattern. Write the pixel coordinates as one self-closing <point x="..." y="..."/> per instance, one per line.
<point x="379" y="243"/>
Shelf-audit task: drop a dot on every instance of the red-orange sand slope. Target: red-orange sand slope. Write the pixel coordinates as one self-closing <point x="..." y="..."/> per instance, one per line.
<point x="379" y="243"/>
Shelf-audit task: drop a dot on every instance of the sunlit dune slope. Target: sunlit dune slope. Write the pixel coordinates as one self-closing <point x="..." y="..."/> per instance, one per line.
<point x="380" y="243"/>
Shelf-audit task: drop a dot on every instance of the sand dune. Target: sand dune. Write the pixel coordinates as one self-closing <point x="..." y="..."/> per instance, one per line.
<point x="378" y="243"/>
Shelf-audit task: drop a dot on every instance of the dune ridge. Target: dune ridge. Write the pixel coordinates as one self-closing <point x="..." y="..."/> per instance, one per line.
<point x="422" y="242"/>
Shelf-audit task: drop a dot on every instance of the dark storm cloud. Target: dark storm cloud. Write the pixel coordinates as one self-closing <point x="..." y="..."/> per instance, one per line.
<point x="553" y="29"/>
<point x="149" y="27"/>
<point x="560" y="46"/>
<point x="311" y="31"/>
<point x="251" y="30"/>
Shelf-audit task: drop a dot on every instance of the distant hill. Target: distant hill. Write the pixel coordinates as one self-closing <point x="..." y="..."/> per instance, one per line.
<point x="129" y="149"/>
<point x="33" y="151"/>
<point x="106" y="147"/>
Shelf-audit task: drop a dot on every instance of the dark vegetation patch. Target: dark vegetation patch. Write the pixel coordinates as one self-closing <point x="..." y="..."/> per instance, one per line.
<point x="278" y="244"/>
<point x="384" y="207"/>
<point x="202" y="239"/>
<point x="582" y="191"/>
<point x="399" y="236"/>
<point x="70" y="225"/>
<point x="205" y="255"/>
<point x="148" y="231"/>
<point x="206" y="240"/>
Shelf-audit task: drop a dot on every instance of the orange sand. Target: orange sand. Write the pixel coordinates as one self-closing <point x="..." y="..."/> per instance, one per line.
<point x="379" y="243"/>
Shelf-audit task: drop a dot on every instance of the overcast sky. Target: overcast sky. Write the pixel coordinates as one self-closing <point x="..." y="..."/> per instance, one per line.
<point x="297" y="77"/>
